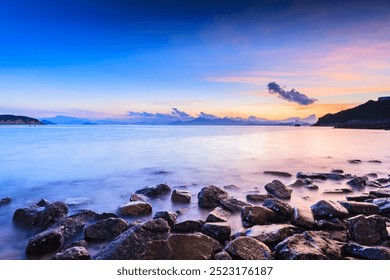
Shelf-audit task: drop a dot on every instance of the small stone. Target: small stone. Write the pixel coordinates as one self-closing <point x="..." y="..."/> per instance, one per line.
<point x="181" y="196"/>
<point x="257" y="215"/>
<point x="6" y="200"/>
<point x="107" y="229"/>
<point x="278" y="173"/>
<point x="373" y="175"/>
<point x="328" y="209"/>
<point x="135" y="208"/>
<point x="297" y="183"/>
<point x="358" y="182"/>
<point x="278" y="189"/>
<point x="354" y="161"/>
<point x="233" y="205"/>
<point x="308" y="181"/>
<point x="367" y="230"/>
<point x="364" y="208"/>
<point x="220" y="231"/>
<point x="257" y="197"/>
<point x="304" y="175"/>
<point x="282" y="209"/>
<point x="218" y="215"/>
<point x="337" y="191"/>
<point x="73" y="253"/>
<point x="339" y="171"/>
<point x="311" y="187"/>
<point x="247" y="248"/>
<point x="154" y="192"/>
<point x="375" y="161"/>
<point x="168" y="216"/>
<point x="369" y="253"/>
<point x="138" y="197"/>
<point x="211" y="196"/>
<point x="188" y="226"/>
<point x="302" y="217"/>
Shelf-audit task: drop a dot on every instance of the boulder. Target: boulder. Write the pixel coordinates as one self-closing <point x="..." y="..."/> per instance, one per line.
<point x="278" y="189"/>
<point x="222" y="256"/>
<point x="257" y="215"/>
<point x="6" y="200"/>
<point x="168" y="216"/>
<point x="107" y="229"/>
<point x="385" y="192"/>
<point x="383" y="205"/>
<point x="278" y="173"/>
<point x="282" y="209"/>
<point x="188" y="226"/>
<point x="233" y="205"/>
<point x="367" y="230"/>
<point x="192" y="246"/>
<point x="218" y="215"/>
<point x="309" y="175"/>
<point x="133" y="243"/>
<point x="272" y="234"/>
<point x="364" y="208"/>
<point x="154" y="192"/>
<point x="220" y="231"/>
<point x="369" y="253"/>
<point x="43" y="203"/>
<point x="257" y="197"/>
<point x="181" y="196"/>
<point x="85" y="216"/>
<point x="248" y="248"/>
<point x="297" y="183"/>
<point x="302" y="217"/>
<point x="331" y="224"/>
<point x="328" y="209"/>
<point x="135" y="208"/>
<point x="211" y="196"/>
<point x="138" y="197"/>
<point x="73" y="253"/>
<point x="360" y="198"/>
<point x="358" y="182"/>
<point x="158" y="250"/>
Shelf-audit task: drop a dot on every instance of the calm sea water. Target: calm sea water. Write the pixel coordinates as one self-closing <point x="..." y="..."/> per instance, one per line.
<point x="107" y="163"/>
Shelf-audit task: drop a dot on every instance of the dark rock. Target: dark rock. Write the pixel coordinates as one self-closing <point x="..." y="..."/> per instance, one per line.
<point x="133" y="243"/>
<point x="282" y="209"/>
<point x="360" y="198"/>
<point x="138" y="197"/>
<point x="257" y="215"/>
<point x="340" y="171"/>
<point x="328" y="209"/>
<point x="374" y="175"/>
<point x="257" y="197"/>
<point x="385" y="192"/>
<point x="272" y="234"/>
<point x="105" y="215"/>
<point x="336" y="191"/>
<point x="278" y="189"/>
<point x="70" y="227"/>
<point x="5" y="201"/>
<point x="231" y="188"/>
<point x="304" y="175"/>
<point x="158" y="250"/>
<point x="338" y="235"/>
<point x="107" y="229"/>
<point x="248" y="248"/>
<point x="43" y="203"/>
<point x="278" y="173"/>
<point x="373" y="184"/>
<point x="233" y="205"/>
<point x="168" y="216"/>
<point x="153" y="192"/>
<point x="358" y="182"/>
<point x="218" y="215"/>
<point x="73" y="253"/>
<point x="369" y="253"/>
<point x="310" y="245"/>
<point x="308" y="181"/>
<point x="79" y="243"/>
<point x="222" y="256"/>
<point x="383" y="180"/>
<point x="192" y="246"/>
<point x="211" y="196"/>
<point x="364" y="208"/>
<point x="332" y="224"/>
<point x="384" y="205"/>
<point x="311" y="187"/>
<point x="303" y="218"/>
<point x="220" y="231"/>
<point x="162" y="172"/>
<point x="367" y="230"/>
<point x="181" y="196"/>
<point x="188" y="226"/>
<point x="374" y="161"/>
<point x="135" y="208"/>
<point x="85" y="216"/>
<point x="354" y="161"/>
<point x="297" y="183"/>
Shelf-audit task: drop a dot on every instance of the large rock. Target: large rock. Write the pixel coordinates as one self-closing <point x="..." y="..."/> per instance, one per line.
<point x="233" y="205"/>
<point x="192" y="246"/>
<point x="211" y="196"/>
<point x="158" y="250"/>
<point x="135" y="208"/>
<point x="257" y="215"/>
<point x="303" y="218"/>
<point x="153" y="192"/>
<point x="272" y="234"/>
<point x="278" y="173"/>
<point x="367" y="230"/>
<point x="257" y="197"/>
<point x="188" y="226"/>
<point x="218" y="215"/>
<point x="248" y="248"/>
<point x="360" y="207"/>
<point x="133" y="243"/>
<point x="385" y="192"/>
<point x="282" y="209"/>
<point x="220" y="231"/>
<point x="73" y="253"/>
<point x="278" y="189"/>
<point x="107" y="229"/>
<point x="310" y="245"/>
<point x="369" y="253"/>
<point x="358" y="182"/>
<point x="181" y="196"/>
<point x="86" y="216"/>
<point x="384" y="205"/>
<point x="168" y="216"/>
<point x="328" y="209"/>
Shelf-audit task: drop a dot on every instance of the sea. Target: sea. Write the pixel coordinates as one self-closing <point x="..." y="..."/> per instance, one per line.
<point x="99" y="167"/>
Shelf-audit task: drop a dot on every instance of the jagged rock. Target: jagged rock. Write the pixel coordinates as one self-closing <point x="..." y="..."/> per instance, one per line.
<point x="133" y="243"/>
<point x="297" y="183"/>
<point x="188" y="226"/>
<point x="107" y="229"/>
<point x="358" y="182"/>
<point x="278" y="173"/>
<point x="257" y="197"/>
<point x="282" y="209"/>
<point x="367" y="230"/>
<point x="43" y="203"/>
<point x="220" y="231"/>
<point x="248" y="248"/>
<point x="385" y="192"/>
<point x="302" y="217"/>
<point x="218" y="215"/>
<point x="168" y="216"/>
<point x="360" y="198"/>
<point x="222" y="256"/>
<point x="311" y="245"/>
<point x="153" y="192"/>
<point x="158" y="250"/>
<point x="138" y="197"/>
<point x="6" y="200"/>
<point x="272" y="234"/>
<point x="192" y="246"/>
<point x="231" y="188"/>
<point x="369" y="253"/>
<point x="365" y="208"/>
<point x="73" y="253"/>
<point x="278" y="189"/>
<point x="135" y="208"/>
<point x="354" y="161"/>
<point x="181" y="196"/>
<point x="328" y="209"/>
<point x="332" y="224"/>
<point x="384" y="205"/>
<point x="233" y="205"/>
<point x="304" y="175"/>
<point x="257" y="215"/>
<point x="211" y="196"/>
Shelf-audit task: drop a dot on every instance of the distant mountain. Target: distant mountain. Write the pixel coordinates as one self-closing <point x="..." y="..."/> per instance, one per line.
<point x="11" y="119"/>
<point x="370" y="115"/>
<point x="65" y="120"/>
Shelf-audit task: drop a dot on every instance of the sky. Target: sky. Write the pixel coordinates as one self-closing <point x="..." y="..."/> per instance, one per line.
<point x="106" y="58"/>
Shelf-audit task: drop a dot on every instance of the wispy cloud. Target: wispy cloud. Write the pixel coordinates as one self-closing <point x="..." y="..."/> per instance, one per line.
<point x="290" y="95"/>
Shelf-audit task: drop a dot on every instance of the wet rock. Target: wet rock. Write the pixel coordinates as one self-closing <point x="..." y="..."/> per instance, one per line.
<point x="138" y="197"/>
<point x="338" y="235"/>
<point x="181" y="196"/>
<point x="231" y="188"/>
<point x="332" y="224"/>
<point x="278" y="173"/>
<point x="375" y="161"/>
<point x="76" y="201"/>
<point x="218" y="215"/>
<point x="369" y="253"/>
<point x="384" y="205"/>
<point x="358" y="182"/>
<point x="257" y="215"/>
<point x="192" y="246"/>
<point x="168" y="216"/>
<point x="107" y="229"/>
<point x="340" y="171"/>
<point x="233" y="205"/>
<point x="133" y="243"/>
<point x="385" y="192"/>
<point x="158" y="250"/>
<point x="383" y="180"/>
<point x="373" y="184"/>
<point x="354" y="161"/>
<point x="373" y="175"/>
<point x="337" y="191"/>
<point x="73" y="253"/>
<point x="222" y="256"/>
<point x="79" y="243"/>
<point x="304" y="175"/>
<point x="278" y="189"/>
<point x="153" y="192"/>
<point x="367" y="230"/>
<point x="308" y="181"/>
<point x="302" y="217"/>
<point x="43" y="203"/>
<point x="297" y="183"/>
<point x="310" y="245"/>
<point x="364" y="208"/>
<point x="360" y="198"/>
<point x="248" y="248"/>
<point x="211" y="196"/>
<point x="188" y="226"/>
<point x="257" y="197"/>
<point x="311" y="187"/>
<point x="282" y="209"/>
<point x="85" y="216"/>
<point x="135" y="208"/>
<point x="105" y="215"/>
<point x="272" y="234"/>
<point x="328" y="209"/>
<point x="220" y="231"/>
<point x="6" y="200"/>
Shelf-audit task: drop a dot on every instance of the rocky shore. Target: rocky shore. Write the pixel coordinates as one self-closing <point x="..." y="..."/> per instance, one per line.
<point x="355" y="227"/>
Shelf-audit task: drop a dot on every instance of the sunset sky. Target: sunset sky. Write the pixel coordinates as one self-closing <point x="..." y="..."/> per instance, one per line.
<point x="104" y="58"/>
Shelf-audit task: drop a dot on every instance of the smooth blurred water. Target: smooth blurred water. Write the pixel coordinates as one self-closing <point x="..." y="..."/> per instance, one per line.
<point x="106" y="163"/>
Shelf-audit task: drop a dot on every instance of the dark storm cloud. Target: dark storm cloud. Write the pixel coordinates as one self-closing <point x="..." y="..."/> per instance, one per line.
<point x="290" y="95"/>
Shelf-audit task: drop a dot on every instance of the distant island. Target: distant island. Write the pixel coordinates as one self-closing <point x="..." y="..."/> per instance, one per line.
<point x="18" y="120"/>
<point x="370" y="115"/>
